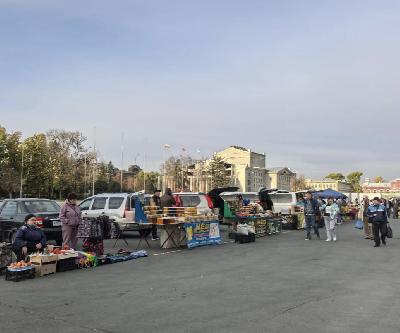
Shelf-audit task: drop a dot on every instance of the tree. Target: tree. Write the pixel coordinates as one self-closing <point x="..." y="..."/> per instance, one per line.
<point x="301" y="184"/>
<point x="217" y="172"/>
<point x="151" y="181"/>
<point x="36" y="166"/>
<point x="354" y="179"/>
<point x="336" y="176"/>
<point x="379" y="179"/>
<point x="10" y="161"/>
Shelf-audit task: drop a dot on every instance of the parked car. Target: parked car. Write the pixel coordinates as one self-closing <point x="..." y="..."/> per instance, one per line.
<point x="13" y="212"/>
<point x="118" y="206"/>
<point x="201" y="201"/>
<point x="285" y="202"/>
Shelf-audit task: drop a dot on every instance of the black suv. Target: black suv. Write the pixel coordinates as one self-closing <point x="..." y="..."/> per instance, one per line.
<point x="13" y="212"/>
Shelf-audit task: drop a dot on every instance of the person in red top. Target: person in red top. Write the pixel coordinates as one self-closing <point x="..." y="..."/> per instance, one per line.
<point x="70" y="217"/>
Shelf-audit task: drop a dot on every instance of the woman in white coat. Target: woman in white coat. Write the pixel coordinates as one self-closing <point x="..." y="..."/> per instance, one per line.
<point x="330" y="212"/>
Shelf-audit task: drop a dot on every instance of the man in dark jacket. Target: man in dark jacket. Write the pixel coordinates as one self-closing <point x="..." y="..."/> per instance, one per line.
<point x="155" y="201"/>
<point x="379" y="219"/>
<point x="29" y="238"/>
<point x="167" y="200"/>
<point x="311" y="209"/>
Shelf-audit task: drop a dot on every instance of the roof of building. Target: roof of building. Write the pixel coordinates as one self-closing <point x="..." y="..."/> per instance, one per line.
<point x="277" y="169"/>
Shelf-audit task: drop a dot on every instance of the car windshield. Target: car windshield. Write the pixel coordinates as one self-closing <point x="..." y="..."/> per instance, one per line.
<point x="281" y="198"/>
<point x="42" y="206"/>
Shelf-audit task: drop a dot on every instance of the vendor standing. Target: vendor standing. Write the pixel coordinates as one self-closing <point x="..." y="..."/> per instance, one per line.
<point x="155" y="201"/>
<point x="168" y="200"/>
<point x="28" y="238"/>
<point x="70" y="217"/>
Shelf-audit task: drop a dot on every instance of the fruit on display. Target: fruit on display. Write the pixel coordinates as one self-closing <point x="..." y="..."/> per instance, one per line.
<point x="19" y="264"/>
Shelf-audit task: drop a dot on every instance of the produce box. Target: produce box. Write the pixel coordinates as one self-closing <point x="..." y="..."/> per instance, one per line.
<point x="44" y="264"/>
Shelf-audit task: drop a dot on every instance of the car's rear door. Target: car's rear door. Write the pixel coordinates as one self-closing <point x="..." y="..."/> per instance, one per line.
<point x="116" y="206"/>
<point x="98" y="207"/>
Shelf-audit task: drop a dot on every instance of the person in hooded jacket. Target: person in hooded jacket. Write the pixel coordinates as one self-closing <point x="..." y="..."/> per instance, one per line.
<point x="379" y="219"/>
<point x="70" y="217"/>
<point x="330" y="211"/>
<point x="28" y="238"/>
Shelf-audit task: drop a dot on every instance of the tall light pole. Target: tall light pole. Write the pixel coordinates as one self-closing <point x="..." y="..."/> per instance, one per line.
<point x="95" y="162"/>
<point x="166" y="146"/>
<point x="122" y="159"/>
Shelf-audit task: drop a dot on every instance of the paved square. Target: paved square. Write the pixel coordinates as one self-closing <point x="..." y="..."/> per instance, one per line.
<point x="278" y="284"/>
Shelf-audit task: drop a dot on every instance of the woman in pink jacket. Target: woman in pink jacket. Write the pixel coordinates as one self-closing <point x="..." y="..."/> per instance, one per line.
<point x="70" y="217"/>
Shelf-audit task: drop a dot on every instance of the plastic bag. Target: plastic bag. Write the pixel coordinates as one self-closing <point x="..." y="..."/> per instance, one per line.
<point x="359" y="225"/>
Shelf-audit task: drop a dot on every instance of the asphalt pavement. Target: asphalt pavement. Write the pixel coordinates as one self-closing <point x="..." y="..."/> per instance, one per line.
<point x="277" y="284"/>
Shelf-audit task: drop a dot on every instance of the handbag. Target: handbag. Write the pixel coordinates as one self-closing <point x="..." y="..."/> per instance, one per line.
<point x="359" y="225"/>
<point x="389" y="232"/>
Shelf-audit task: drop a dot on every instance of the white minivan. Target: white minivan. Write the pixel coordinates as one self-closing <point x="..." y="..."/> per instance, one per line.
<point x="285" y="203"/>
<point x="118" y="206"/>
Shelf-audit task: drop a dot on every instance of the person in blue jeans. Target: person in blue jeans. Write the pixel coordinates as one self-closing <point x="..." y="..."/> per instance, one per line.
<point x="378" y="217"/>
<point x="311" y="209"/>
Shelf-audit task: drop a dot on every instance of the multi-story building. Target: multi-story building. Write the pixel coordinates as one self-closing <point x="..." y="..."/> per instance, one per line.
<point x="337" y="185"/>
<point x="282" y="178"/>
<point x="246" y="170"/>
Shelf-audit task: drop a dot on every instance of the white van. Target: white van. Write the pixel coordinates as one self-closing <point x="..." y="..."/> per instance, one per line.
<point x="285" y="203"/>
<point x="118" y="206"/>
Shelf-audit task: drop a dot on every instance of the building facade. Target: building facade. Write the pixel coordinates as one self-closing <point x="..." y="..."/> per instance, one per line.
<point x="282" y="178"/>
<point x="337" y="185"/>
<point x="385" y="187"/>
<point x="246" y="170"/>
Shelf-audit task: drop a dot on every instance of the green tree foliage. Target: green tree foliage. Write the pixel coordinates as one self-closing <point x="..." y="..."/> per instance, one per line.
<point x="151" y="181"/>
<point x="36" y="166"/>
<point x="10" y="162"/>
<point x="336" y="176"/>
<point x="217" y="172"/>
<point x="354" y="179"/>
<point x="379" y="179"/>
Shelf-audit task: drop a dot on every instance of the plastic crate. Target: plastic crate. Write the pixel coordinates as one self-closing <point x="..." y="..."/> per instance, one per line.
<point x="239" y="238"/>
<point x="64" y="265"/>
<point x="18" y="275"/>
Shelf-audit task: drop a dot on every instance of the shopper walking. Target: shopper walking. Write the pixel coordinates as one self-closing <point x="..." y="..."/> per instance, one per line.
<point x="70" y="217"/>
<point x="395" y="208"/>
<point x="155" y="201"/>
<point x="330" y="212"/>
<point x="378" y="218"/>
<point x="311" y="209"/>
<point x="367" y="225"/>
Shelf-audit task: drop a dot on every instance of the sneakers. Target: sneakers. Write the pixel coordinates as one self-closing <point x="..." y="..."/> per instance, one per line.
<point x="308" y="238"/>
<point x="334" y="239"/>
<point x="377" y="245"/>
<point x="328" y="240"/>
<point x="384" y="242"/>
<point x="155" y="238"/>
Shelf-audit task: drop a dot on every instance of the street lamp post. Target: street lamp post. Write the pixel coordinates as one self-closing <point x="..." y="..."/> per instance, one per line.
<point x="166" y="146"/>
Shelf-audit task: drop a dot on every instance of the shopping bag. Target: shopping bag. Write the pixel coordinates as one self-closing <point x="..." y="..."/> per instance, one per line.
<point x="359" y="225"/>
<point x="242" y="229"/>
<point x="389" y="232"/>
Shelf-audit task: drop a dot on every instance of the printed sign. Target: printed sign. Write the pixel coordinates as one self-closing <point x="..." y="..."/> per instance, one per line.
<point x="202" y="233"/>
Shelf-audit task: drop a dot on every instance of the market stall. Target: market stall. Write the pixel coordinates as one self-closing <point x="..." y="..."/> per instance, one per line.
<point x="183" y="226"/>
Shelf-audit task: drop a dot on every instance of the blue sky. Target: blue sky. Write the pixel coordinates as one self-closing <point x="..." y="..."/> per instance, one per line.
<point x="313" y="84"/>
